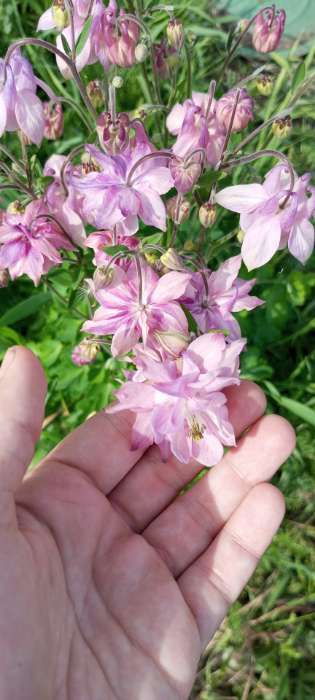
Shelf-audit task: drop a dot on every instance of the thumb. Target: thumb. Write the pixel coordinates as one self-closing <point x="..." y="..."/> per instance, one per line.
<point x="22" y="396"/>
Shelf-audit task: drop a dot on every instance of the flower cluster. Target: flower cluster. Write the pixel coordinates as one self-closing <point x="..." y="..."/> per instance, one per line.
<point x="115" y="203"/>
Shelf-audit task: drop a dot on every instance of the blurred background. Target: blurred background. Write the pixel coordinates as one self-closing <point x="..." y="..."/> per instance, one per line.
<point x="266" y="647"/>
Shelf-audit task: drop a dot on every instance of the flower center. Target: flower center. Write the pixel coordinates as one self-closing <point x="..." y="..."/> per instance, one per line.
<point x="196" y="430"/>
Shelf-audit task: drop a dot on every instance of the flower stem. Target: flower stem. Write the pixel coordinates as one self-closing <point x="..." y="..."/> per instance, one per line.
<point x="241" y="37"/>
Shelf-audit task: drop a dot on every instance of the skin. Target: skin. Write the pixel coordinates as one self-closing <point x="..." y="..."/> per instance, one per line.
<point x="111" y="585"/>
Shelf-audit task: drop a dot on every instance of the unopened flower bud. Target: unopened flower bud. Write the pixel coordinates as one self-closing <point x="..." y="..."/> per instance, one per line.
<point x="268" y="30"/>
<point x="54" y="121"/>
<point x="190" y="245"/>
<point x="264" y="85"/>
<point x="85" y="353"/>
<point x="282" y="127"/>
<point x="4" y="278"/>
<point x="15" y="207"/>
<point x="185" y="172"/>
<point x="243" y="113"/>
<point x="60" y="14"/>
<point x="172" y="261"/>
<point x="240" y="235"/>
<point x="141" y="52"/>
<point x="178" y="211"/>
<point x="207" y="215"/>
<point x="102" y="277"/>
<point x="95" y="93"/>
<point x="172" y="342"/>
<point x="117" y="82"/>
<point x="175" y="34"/>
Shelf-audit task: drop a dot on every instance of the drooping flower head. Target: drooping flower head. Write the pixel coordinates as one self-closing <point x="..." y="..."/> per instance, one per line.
<point x="85" y="353"/>
<point x="30" y="242"/>
<point x="20" y="108"/>
<point x="268" y="30"/>
<point x="196" y="126"/>
<point x="243" y="113"/>
<point x="273" y="216"/>
<point x="58" y="204"/>
<point x="99" y="240"/>
<point x="134" y="307"/>
<point x="180" y="405"/>
<point x="213" y="297"/>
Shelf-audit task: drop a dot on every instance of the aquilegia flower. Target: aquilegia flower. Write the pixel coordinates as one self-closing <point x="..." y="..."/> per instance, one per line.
<point x="243" y="113"/>
<point x="30" y="242"/>
<point x="108" y="196"/>
<point x="99" y="240"/>
<point x="195" y="128"/>
<point x="268" y="30"/>
<point x="272" y="216"/>
<point x="180" y="405"/>
<point x="20" y="108"/>
<point x="132" y="307"/>
<point x="211" y="297"/>
<point x="58" y="203"/>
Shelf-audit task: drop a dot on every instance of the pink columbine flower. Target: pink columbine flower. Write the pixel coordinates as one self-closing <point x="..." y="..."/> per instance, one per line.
<point x="180" y="405"/>
<point x="268" y="30"/>
<point x="131" y="309"/>
<point x="211" y="297"/>
<point x="195" y="129"/>
<point x="99" y="240"/>
<point x="107" y="196"/>
<point x="54" y="121"/>
<point x="58" y="202"/>
<point x="243" y="113"/>
<point x="30" y="242"/>
<point x="272" y="216"/>
<point x="20" y="108"/>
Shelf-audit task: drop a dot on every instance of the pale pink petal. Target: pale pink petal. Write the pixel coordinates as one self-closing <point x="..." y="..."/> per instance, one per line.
<point x="242" y="198"/>
<point x="175" y="119"/>
<point x="261" y="241"/>
<point x="152" y="209"/>
<point x="158" y="178"/>
<point x="46" y="21"/>
<point x="207" y="350"/>
<point x="171" y="286"/>
<point x="208" y="451"/>
<point x="125" y="338"/>
<point x="29" y="114"/>
<point x="301" y="240"/>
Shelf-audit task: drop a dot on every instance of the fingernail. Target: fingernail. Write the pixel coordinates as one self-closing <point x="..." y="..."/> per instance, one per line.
<point x="8" y="360"/>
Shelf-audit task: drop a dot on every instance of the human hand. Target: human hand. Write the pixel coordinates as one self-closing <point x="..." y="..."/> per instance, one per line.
<point x="111" y="585"/>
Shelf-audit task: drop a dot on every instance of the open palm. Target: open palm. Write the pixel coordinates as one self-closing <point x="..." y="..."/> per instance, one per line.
<point x="111" y="584"/>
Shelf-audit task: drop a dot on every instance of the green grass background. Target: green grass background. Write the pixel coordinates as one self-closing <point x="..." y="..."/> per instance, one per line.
<point x="266" y="646"/>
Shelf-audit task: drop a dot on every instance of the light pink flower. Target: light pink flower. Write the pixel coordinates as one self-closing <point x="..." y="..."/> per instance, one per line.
<point x="243" y="113"/>
<point x="107" y="196"/>
<point x="98" y="240"/>
<point x="195" y="129"/>
<point x="211" y="297"/>
<point x="180" y="405"/>
<point x="272" y="216"/>
<point x="30" y="242"/>
<point x="58" y="203"/>
<point x="268" y="30"/>
<point x="85" y="353"/>
<point x="20" y="108"/>
<point x="130" y="310"/>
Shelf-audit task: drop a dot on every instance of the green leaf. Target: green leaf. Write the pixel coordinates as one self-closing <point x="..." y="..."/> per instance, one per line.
<point x="299" y="76"/>
<point x="84" y="35"/>
<point x="24" y="308"/>
<point x="296" y="407"/>
<point x="65" y="45"/>
<point x="114" y="249"/>
<point x="153" y="239"/>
